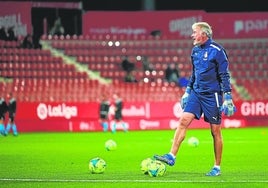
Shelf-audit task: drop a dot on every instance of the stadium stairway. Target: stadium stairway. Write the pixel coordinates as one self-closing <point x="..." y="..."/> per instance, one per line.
<point x="72" y="61"/>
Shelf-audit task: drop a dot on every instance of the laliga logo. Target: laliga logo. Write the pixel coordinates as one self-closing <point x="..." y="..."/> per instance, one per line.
<point x="44" y="111"/>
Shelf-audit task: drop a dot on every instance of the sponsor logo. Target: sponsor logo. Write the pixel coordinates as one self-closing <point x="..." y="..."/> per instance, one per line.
<point x="119" y="30"/>
<point x="250" y="25"/>
<point x="228" y="123"/>
<point x="62" y="110"/>
<point x="119" y="125"/>
<point x="254" y="109"/>
<point x="135" y="111"/>
<point x="127" y="30"/>
<point x="145" y="124"/>
<point x="215" y="118"/>
<point x="85" y="126"/>
<point x="14" y="20"/>
<point x="183" y="26"/>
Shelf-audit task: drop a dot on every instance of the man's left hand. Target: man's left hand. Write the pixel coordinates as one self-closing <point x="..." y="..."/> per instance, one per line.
<point x="228" y="107"/>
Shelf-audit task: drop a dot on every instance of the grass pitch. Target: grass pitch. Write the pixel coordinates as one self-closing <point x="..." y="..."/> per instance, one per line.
<point x="61" y="159"/>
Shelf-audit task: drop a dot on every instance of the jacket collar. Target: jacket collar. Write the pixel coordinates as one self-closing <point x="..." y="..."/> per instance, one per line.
<point x="206" y="44"/>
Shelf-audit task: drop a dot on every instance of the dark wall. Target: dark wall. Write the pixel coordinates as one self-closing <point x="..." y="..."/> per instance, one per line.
<point x="213" y="5"/>
<point x="71" y="20"/>
<point x="126" y="5"/>
<point x="207" y="5"/>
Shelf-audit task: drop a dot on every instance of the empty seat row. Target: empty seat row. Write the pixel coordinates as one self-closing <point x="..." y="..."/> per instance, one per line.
<point x="41" y="74"/>
<point x="29" y="58"/>
<point x="21" y="66"/>
<point x="24" y="51"/>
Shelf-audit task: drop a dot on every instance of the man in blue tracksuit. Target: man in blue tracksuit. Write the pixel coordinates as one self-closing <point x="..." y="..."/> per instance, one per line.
<point x="208" y="92"/>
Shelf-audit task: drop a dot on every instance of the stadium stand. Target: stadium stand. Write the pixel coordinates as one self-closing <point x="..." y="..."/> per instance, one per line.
<point x="45" y="74"/>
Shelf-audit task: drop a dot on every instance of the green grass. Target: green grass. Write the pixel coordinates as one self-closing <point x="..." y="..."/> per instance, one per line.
<point x="61" y="159"/>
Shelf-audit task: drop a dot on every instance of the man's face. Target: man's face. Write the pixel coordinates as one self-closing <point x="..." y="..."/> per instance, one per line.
<point x="198" y="36"/>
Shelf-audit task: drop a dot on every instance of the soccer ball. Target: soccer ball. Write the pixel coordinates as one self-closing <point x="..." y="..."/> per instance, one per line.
<point x="144" y="165"/>
<point x="193" y="141"/>
<point x="110" y="145"/>
<point x="97" y="165"/>
<point x="156" y="168"/>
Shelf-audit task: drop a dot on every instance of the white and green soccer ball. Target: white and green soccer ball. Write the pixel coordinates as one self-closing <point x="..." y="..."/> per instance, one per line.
<point x="97" y="165"/>
<point x="110" y="145"/>
<point x="193" y="141"/>
<point x="156" y="168"/>
<point x="144" y="165"/>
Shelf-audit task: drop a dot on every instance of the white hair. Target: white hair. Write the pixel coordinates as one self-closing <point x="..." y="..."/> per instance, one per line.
<point x="205" y="27"/>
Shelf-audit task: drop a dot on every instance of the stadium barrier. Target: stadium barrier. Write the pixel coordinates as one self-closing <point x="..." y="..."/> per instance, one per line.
<point x="78" y="117"/>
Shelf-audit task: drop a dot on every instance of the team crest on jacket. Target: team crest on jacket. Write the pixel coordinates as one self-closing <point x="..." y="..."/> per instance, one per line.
<point x="205" y="56"/>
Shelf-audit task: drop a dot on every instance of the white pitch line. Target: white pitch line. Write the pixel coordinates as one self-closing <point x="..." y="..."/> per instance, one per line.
<point x="130" y="181"/>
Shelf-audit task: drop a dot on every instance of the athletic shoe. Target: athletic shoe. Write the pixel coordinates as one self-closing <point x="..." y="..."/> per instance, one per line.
<point x="214" y="172"/>
<point x="167" y="158"/>
<point x="15" y="134"/>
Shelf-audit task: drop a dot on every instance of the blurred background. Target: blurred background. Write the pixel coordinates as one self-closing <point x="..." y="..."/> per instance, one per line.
<point x="59" y="58"/>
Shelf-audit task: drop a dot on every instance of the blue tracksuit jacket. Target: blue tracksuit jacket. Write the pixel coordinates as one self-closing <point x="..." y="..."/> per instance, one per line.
<point x="210" y="69"/>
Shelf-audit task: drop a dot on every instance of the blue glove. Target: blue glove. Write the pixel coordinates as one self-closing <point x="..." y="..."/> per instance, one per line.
<point x="228" y="107"/>
<point x="185" y="96"/>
